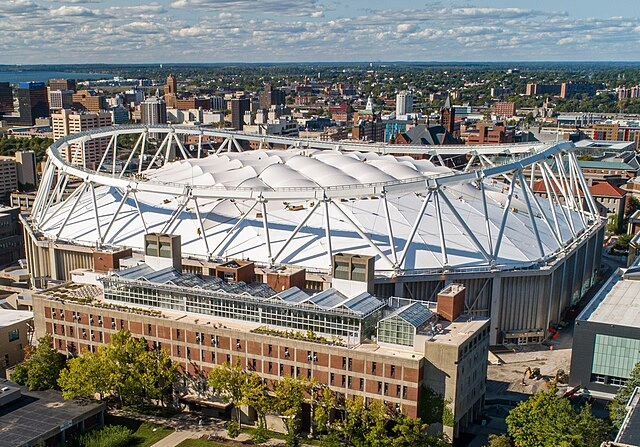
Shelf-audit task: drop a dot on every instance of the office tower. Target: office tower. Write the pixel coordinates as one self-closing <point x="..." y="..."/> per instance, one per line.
<point x="6" y="98"/>
<point x="404" y="103"/>
<point x="62" y="84"/>
<point x="60" y="99"/>
<point x="67" y="122"/>
<point x="271" y="97"/>
<point x="32" y="101"/>
<point x="8" y="175"/>
<point x="238" y="108"/>
<point x="170" y="91"/>
<point x="26" y="165"/>
<point x="153" y="111"/>
<point x="119" y="114"/>
<point x="89" y="100"/>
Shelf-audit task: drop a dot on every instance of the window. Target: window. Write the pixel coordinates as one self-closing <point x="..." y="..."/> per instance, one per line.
<point x="253" y="364"/>
<point x="398" y="390"/>
<point x="344" y="381"/>
<point x="229" y="358"/>
<point x="177" y="333"/>
<point x="332" y="379"/>
<point x="379" y="387"/>
<point x="350" y="364"/>
<point x="404" y="392"/>
<point x="349" y="381"/>
<point x="14" y="335"/>
<point x="281" y="369"/>
<point x="293" y="370"/>
<point x="344" y="363"/>
<point x="361" y="384"/>
<point x="178" y="348"/>
<point x="270" y="367"/>
<point x="386" y="388"/>
<point x="149" y="329"/>
<point x="373" y="367"/>
<point x="392" y="373"/>
<point x="270" y="349"/>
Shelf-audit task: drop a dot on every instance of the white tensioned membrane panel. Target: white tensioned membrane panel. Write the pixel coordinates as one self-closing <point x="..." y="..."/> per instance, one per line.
<point x="317" y="170"/>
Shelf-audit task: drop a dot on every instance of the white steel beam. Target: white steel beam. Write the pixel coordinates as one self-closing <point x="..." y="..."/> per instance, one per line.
<point x="505" y="214"/>
<point x="95" y="210"/>
<point x="443" y="239"/>
<point x="115" y="215"/>
<point x="392" y="243"/>
<point x="527" y="201"/>
<point x="265" y="225"/>
<point x="327" y="231"/>
<point x="144" y="224"/>
<point x="231" y="231"/>
<point x="82" y="189"/>
<point x="416" y="224"/>
<point x="297" y="229"/>
<point x="201" y="224"/>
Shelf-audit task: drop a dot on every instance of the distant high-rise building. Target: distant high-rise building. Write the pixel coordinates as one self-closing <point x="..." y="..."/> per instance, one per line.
<point x="569" y="89"/>
<point x="238" y="108"/>
<point x="26" y="168"/>
<point x="448" y="117"/>
<point x="271" y="97"/>
<point x="66" y="122"/>
<point x="33" y="101"/>
<point x="89" y="100"/>
<point x="543" y="89"/>
<point x="62" y="84"/>
<point x="505" y="109"/>
<point x="404" y="103"/>
<point x="6" y="98"/>
<point x="8" y="175"/>
<point x="171" y="91"/>
<point x="60" y="99"/>
<point x="218" y="103"/>
<point x="153" y="111"/>
<point x="119" y="114"/>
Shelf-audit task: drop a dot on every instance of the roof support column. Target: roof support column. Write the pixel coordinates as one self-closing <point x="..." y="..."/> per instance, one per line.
<point x="416" y="224"/>
<point x="297" y="229"/>
<point x="390" y="230"/>
<point x="505" y="214"/>
<point x="265" y="225"/>
<point x="443" y="242"/>
<point x="527" y="200"/>
<point x="327" y="232"/>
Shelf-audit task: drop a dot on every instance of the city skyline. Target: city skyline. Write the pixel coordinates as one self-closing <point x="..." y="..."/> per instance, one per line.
<point x="165" y="31"/>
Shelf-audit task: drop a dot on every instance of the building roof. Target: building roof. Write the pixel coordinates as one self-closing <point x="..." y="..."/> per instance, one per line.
<point x="618" y="301"/>
<point x="629" y="433"/>
<point x="416" y="314"/>
<point x="605" y="165"/>
<point x="40" y="413"/>
<point x="9" y="317"/>
<point x="606" y="189"/>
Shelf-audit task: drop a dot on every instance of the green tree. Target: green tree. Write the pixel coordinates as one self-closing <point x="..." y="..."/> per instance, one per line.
<point x="618" y="407"/>
<point x="125" y="369"/>
<point x="324" y="400"/>
<point x="43" y="365"/>
<point x="365" y="425"/>
<point x="227" y="383"/>
<point x="633" y="205"/>
<point x="255" y="394"/>
<point x="290" y="394"/>
<point x="547" y="420"/>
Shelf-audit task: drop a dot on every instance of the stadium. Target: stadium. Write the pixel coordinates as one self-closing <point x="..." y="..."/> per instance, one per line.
<point x="523" y="258"/>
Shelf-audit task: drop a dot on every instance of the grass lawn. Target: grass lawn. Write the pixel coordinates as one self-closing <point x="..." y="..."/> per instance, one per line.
<point x="145" y="433"/>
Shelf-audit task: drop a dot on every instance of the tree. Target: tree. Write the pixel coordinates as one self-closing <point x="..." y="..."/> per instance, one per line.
<point x="227" y="381"/>
<point x="43" y="366"/>
<point x="254" y="394"/>
<point x="365" y="425"/>
<point x="633" y="204"/>
<point x="324" y="401"/>
<point x="618" y="407"/>
<point x="547" y="420"/>
<point x="125" y="368"/>
<point x="289" y="396"/>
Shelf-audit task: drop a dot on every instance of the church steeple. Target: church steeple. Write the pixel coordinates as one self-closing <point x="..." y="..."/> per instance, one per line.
<point x="369" y="104"/>
<point x="448" y="116"/>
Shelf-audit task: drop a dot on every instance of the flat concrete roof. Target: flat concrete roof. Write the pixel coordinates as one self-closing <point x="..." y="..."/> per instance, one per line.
<point x="9" y="317"/>
<point x="40" y="413"/>
<point x="617" y="302"/>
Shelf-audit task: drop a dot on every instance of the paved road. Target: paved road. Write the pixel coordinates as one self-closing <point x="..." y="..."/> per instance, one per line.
<point x="177" y="437"/>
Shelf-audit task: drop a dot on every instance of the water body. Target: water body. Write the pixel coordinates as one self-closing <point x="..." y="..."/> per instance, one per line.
<point x="15" y="76"/>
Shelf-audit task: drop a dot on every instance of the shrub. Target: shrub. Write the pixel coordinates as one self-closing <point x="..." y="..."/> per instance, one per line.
<point x="109" y="436"/>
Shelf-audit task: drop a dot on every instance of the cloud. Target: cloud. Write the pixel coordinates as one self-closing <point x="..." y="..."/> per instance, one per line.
<point x="48" y="31"/>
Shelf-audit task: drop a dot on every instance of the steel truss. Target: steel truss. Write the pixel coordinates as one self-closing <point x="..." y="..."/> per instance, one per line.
<point x="565" y="190"/>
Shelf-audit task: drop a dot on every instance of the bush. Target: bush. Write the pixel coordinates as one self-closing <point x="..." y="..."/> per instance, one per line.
<point x="233" y="429"/>
<point x="20" y="374"/>
<point x="109" y="436"/>
<point x="260" y="436"/>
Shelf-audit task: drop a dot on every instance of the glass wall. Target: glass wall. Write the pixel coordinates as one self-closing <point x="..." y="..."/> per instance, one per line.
<point x="396" y="331"/>
<point x="333" y="322"/>
<point x="614" y="357"/>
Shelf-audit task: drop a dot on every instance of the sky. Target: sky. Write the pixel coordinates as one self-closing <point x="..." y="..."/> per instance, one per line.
<point x="183" y="31"/>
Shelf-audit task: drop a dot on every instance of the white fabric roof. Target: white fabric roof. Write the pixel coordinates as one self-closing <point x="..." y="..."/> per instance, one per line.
<point x="263" y="170"/>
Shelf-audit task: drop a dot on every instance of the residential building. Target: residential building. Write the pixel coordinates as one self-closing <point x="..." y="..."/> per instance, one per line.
<point x="34" y="418"/>
<point x="62" y="84"/>
<point x="8" y="175"/>
<point x="239" y="107"/>
<point x="6" y="98"/>
<point x="89" y="100"/>
<point x="505" y="109"/>
<point x="16" y="331"/>
<point x="497" y="92"/>
<point x="569" y="89"/>
<point x="193" y="103"/>
<point x="543" y="89"/>
<point x="369" y="130"/>
<point x="33" y="101"/>
<point x="67" y="122"/>
<point x="606" y="335"/>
